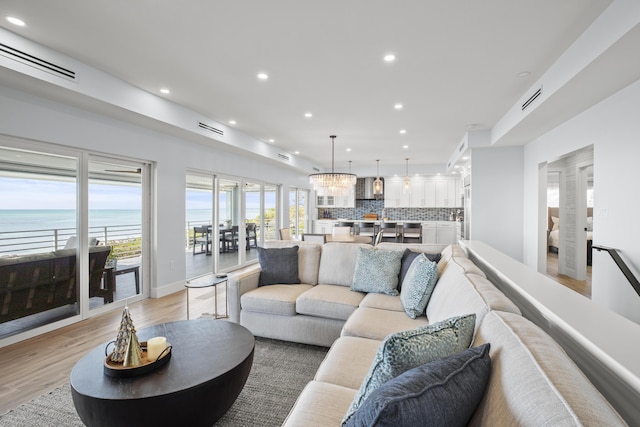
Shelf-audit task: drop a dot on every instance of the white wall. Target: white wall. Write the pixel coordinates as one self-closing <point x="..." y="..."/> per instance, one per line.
<point x="613" y="127"/>
<point x="496" y="194"/>
<point x="27" y="116"/>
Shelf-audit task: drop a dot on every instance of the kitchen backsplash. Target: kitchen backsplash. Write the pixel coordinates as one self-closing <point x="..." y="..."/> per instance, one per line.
<point x="376" y="206"/>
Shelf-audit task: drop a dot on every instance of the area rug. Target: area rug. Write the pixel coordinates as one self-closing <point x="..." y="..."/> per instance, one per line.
<point x="279" y="373"/>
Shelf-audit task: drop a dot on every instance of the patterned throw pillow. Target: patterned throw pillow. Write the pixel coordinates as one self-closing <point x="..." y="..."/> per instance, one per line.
<point x="407" y="258"/>
<point x="445" y="392"/>
<point x="278" y="266"/>
<point x="376" y="271"/>
<point x="406" y="350"/>
<point x="418" y="285"/>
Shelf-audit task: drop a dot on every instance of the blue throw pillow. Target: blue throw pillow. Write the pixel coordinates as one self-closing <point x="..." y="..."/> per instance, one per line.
<point x="445" y="392"/>
<point x="278" y="266"/>
<point x="418" y="285"/>
<point x="376" y="271"/>
<point x="406" y="350"/>
<point x="407" y="258"/>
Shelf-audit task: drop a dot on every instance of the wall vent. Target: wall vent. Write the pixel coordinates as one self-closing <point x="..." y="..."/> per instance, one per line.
<point x="210" y="128"/>
<point x="284" y="156"/>
<point x="315" y="169"/>
<point x="36" y="62"/>
<point x="532" y="98"/>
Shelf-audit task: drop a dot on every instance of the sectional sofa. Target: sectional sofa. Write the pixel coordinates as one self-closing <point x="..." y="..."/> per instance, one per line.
<point x="531" y="382"/>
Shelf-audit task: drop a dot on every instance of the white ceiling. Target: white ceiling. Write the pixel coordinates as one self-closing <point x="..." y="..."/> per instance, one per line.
<point x="456" y="68"/>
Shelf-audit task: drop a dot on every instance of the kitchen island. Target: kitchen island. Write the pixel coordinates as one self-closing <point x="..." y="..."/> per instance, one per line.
<point x="444" y="232"/>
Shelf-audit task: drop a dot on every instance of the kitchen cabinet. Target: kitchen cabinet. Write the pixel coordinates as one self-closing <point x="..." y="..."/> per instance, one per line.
<point x="347" y="201"/>
<point x="429" y="232"/>
<point x="394" y="194"/>
<point x="447" y="193"/>
<point x="323" y="226"/>
<point x="443" y="232"/>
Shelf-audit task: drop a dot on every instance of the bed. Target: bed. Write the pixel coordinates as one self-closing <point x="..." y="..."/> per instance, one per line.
<point x="553" y="227"/>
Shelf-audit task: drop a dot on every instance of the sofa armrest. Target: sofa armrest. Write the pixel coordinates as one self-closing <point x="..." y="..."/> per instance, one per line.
<point x="240" y="282"/>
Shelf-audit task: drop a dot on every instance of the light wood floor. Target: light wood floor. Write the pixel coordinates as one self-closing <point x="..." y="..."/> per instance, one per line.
<point x="37" y="365"/>
<point x="583" y="287"/>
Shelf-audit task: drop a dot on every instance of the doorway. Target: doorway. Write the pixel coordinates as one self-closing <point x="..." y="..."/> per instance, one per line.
<point x="569" y="220"/>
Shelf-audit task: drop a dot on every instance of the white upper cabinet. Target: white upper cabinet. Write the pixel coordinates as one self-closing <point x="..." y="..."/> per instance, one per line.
<point x="394" y="196"/>
<point x="437" y="192"/>
<point x="348" y="201"/>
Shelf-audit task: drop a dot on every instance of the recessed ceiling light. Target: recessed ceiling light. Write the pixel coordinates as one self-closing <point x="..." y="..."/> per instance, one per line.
<point x="403" y="131"/>
<point x="390" y="57"/>
<point x="16" y="21"/>
<point x="165" y="91"/>
<point x="308" y="115"/>
<point x="272" y="140"/>
<point x="523" y="74"/>
<point x="398" y="106"/>
<point x="405" y="146"/>
<point x="232" y="122"/>
<point x="263" y="76"/>
<point x="348" y="149"/>
<point x="296" y="152"/>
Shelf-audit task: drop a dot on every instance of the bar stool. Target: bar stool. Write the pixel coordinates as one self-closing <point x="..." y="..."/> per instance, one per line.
<point x="389" y="231"/>
<point x="413" y="231"/>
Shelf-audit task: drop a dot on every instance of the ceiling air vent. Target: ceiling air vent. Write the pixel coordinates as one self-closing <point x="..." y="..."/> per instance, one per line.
<point x="532" y="98"/>
<point x="315" y="169"/>
<point x="36" y="62"/>
<point x="284" y="156"/>
<point x="210" y="128"/>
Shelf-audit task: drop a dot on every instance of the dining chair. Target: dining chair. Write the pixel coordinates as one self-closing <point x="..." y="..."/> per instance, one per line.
<point x="412" y="231"/>
<point x="389" y="230"/>
<point x="313" y="237"/>
<point x="202" y="237"/>
<point x="340" y="233"/>
<point x="285" y="234"/>
<point x="251" y="235"/>
<point x="230" y="239"/>
<point x="367" y="229"/>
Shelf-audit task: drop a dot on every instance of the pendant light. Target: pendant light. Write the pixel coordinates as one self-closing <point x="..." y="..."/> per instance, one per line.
<point x="332" y="184"/>
<point x="378" y="186"/>
<point x="407" y="180"/>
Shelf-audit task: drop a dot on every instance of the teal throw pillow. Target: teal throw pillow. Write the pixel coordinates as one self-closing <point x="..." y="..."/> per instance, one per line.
<point x="418" y="284"/>
<point x="445" y="392"/>
<point x="376" y="271"/>
<point x="406" y="350"/>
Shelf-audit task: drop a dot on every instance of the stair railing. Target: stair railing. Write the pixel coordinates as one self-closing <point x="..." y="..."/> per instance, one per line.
<point x="615" y="254"/>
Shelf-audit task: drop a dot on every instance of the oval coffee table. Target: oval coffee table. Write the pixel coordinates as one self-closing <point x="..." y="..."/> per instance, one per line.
<point x="210" y="363"/>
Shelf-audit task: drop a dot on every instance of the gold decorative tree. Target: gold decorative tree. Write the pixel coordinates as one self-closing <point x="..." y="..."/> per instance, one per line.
<point x="127" y="347"/>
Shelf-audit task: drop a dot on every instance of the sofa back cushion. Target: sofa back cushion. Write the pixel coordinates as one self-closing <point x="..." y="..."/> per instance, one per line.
<point x="533" y="379"/>
<point x="308" y="258"/>
<point x="338" y="263"/>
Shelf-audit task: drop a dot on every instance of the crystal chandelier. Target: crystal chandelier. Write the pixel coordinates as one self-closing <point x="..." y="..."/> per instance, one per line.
<point x="332" y="184"/>
<point x="378" y="186"/>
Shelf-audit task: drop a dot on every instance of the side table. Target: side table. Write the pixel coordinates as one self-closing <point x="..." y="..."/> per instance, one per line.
<point x="213" y="283"/>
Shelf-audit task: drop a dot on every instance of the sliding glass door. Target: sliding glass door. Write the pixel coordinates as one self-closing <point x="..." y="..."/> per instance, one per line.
<point x="117" y="230"/>
<point x="199" y="230"/>
<point x="298" y="218"/>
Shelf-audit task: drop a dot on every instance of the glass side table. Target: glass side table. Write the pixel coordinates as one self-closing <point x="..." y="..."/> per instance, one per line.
<point x="212" y="283"/>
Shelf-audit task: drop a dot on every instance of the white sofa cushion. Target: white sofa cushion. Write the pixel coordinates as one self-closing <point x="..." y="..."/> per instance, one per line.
<point x="534" y="381"/>
<point x="338" y="263"/>
<point x="348" y="361"/>
<point x="333" y="302"/>
<point x="308" y="258"/>
<point x="383" y="302"/>
<point x="376" y="324"/>
<point x="273" y="299"/>
<point x="320" y="405"/>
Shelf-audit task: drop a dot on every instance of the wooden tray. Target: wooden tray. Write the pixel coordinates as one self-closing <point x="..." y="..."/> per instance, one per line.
<point x="115" y="369"/>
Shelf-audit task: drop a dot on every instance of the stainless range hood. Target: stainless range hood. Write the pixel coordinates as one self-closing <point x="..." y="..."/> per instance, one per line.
<point x="365" y="189"/>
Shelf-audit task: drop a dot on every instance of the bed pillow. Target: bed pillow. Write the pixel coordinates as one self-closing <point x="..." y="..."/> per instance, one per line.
<point x="406" y="350"/>
<point x="556" y="223"/>
<point x="376" y="271"/>
<point x="589" y="223"/>
<point x="278" y="266"/>
<point x="446" y="392"/>
<point x="418" y="286"/>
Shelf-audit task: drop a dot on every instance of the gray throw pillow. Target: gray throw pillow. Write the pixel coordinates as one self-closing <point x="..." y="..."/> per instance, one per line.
<point x="406" y="350"/>
<point x="376" y="271"/>
<point x="418" y="286"/>
<point x="278" y="266"/>
<point x="407" y="258"/>
<point x="445" y="392"/>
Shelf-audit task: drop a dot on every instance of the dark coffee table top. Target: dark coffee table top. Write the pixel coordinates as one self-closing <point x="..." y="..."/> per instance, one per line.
<point x="203" y="351"/>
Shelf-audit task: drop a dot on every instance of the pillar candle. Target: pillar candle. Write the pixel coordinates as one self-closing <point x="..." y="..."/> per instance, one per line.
<point x="155" y="346"/>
